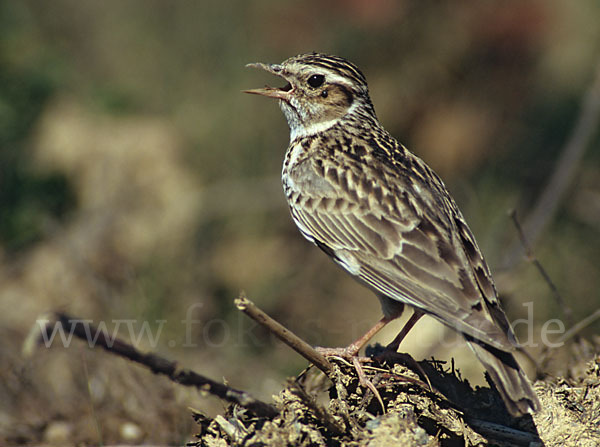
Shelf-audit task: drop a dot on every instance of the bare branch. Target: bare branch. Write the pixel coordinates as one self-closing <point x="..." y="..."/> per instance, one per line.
<point x="504" y="433"/>
<point x="285" y="335"/>
<point x="568" y="313"/>
<point x="160" y="365"/>
<point x="566" y="166"/>
<point x="579" y="326"/>
<point x="325" y="417"/>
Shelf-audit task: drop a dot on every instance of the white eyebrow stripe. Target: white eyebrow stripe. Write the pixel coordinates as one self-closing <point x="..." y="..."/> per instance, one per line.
<point x="330" y="76"/>
<point x="334" y="78"/>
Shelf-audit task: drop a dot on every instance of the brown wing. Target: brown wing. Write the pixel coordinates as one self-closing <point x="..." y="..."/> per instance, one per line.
<point x="405" y="238"/>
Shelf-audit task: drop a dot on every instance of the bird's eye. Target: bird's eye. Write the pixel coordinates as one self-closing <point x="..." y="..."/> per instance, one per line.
<point x="316" y="80"/>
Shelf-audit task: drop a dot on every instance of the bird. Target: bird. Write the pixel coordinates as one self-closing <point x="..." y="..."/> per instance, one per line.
<point x="386" y="217"/>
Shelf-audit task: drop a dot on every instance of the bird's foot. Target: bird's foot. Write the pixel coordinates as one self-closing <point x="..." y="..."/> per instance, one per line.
<point x="350" y="353"/>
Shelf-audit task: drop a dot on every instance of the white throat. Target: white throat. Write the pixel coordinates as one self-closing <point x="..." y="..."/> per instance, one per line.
<point x="299" y="130"/>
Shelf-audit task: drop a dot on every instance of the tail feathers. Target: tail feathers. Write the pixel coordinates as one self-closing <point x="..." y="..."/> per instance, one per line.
<point x="510" y="380"/>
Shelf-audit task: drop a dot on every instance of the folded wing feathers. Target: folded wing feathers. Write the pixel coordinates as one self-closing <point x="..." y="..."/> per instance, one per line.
<point x="406" y="257"/>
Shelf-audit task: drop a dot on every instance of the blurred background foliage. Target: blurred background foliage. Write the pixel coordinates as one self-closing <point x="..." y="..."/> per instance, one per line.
<point x="138" y="183"/>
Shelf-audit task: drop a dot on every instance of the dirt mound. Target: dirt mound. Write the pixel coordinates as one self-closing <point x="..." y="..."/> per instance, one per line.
<point x="409" y="412"/>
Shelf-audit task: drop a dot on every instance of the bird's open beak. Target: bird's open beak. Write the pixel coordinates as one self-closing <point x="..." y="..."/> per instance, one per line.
<point x="271" y="92"/>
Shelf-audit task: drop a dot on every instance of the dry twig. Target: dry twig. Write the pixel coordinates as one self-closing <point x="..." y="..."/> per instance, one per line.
<point x="323" y="415"/>
<point x="160" y="365"/>
<point x="504" y="433"/>
<point x="568" y="313"/>
<point x="579" y="326"/>
<point x="566" y="166"/>
<point x="284" y="334"/>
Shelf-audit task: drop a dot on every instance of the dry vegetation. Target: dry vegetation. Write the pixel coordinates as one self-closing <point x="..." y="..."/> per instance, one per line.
<point x="137" y="183"/>
<point x="453" y="415"/>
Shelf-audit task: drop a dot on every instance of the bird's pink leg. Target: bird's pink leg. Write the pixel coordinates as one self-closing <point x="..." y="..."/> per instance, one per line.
<point x="395" y="344"/>
<point x="392" y="348"/>
<point x="351" y="352"/>
<point x="352" y="349"/>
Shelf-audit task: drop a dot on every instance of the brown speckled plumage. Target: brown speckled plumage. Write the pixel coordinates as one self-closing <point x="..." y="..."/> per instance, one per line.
<point x="382" y="214"/>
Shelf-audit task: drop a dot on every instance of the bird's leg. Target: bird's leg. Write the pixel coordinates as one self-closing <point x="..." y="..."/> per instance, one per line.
<point x="352" y="349"/>
<point x="392" y="348"/>
<point x="350" y="352"/>
<point x="395" y="344"/>
<point x="362" y="379"/>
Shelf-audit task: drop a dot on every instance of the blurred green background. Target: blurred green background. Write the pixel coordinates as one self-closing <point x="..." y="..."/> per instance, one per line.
<point x="137" y="182"/>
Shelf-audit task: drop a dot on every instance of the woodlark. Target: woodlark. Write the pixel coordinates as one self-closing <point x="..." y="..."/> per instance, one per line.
<point x="383" y="215"/>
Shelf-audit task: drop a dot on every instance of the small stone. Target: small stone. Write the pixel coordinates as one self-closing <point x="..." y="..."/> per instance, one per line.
<point x="373" y="424"/>
<point x="130" y="432"/>
<point x="58" y="433"/>
<point x="421" y="436"/>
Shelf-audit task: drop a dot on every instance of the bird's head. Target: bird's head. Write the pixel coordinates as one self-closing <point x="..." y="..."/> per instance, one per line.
<point x="320" y="90"/>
